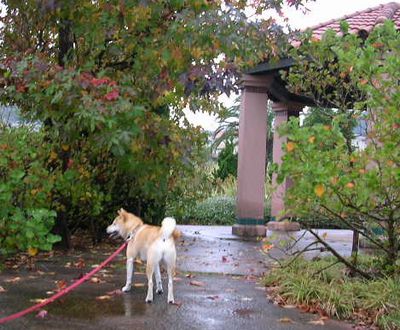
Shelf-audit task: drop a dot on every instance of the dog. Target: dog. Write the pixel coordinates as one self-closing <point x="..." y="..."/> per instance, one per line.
<point x="151" y="243"/>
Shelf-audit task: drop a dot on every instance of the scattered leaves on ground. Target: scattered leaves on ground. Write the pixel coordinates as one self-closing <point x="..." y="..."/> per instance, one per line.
<point x="13" y="280"/>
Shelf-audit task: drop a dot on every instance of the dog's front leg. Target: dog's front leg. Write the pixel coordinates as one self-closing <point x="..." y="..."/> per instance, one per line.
<point x="129" y="274"/>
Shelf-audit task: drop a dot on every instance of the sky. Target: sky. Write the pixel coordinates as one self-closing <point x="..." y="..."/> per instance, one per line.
<point x="319" y="11"/>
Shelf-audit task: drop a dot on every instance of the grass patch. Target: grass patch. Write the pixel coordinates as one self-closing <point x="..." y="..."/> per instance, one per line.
<point x="311" y="285"/>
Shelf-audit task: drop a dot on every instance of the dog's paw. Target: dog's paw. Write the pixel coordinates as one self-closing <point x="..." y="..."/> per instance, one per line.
<point x="126" y="288"/>
<point x="149" y="301"/>
<point x="159" y="291"/>
<point x="171" y="301"/>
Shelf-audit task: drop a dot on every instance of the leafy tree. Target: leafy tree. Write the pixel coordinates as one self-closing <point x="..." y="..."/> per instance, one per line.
<point x="108" y="81"/>
<point x="358" y="187"/>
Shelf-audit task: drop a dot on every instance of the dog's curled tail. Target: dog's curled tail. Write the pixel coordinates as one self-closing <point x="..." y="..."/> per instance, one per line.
<point x="168" y="226"/>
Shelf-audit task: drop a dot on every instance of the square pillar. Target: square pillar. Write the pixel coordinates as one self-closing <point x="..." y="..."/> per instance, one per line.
<point x="252" y="157"/>
<point x="283" y="111"/>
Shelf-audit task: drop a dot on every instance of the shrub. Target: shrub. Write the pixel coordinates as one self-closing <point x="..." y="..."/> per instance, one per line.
<point x="217" y="210"/>
<point x="26" y="185"/>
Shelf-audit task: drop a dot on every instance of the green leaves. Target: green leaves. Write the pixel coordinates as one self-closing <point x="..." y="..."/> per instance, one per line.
<point x="332" y="176"/>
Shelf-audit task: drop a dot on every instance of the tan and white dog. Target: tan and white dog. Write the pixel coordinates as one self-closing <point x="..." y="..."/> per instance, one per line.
<point x="151" y="243"/>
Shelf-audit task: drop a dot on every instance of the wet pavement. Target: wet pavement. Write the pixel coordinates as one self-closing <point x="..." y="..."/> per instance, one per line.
<point x="216" y="287"/>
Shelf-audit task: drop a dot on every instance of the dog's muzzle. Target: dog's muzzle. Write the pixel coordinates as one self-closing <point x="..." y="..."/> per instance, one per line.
<point x="112" y="231"/>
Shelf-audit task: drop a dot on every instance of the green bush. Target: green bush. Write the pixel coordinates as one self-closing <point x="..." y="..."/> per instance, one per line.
<point x="26" y="216"/>
<point x="217" y="210"/>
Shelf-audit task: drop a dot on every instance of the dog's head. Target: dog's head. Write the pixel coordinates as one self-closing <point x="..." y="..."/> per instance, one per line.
<point x="124" y="224"/>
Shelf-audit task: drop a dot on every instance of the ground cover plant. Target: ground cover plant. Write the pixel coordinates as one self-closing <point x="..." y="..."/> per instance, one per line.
<point x="328" y="290"/>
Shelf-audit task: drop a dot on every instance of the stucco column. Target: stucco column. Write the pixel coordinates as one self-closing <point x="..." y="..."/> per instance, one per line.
<point x="252" y="157"/>
<point x="282" y="111"/>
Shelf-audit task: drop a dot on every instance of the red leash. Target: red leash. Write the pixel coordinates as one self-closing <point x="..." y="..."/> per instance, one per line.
<point x="64" y="291"/>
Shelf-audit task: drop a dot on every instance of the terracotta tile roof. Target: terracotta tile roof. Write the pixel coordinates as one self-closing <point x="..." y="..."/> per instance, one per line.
<point x="362" y="21"/>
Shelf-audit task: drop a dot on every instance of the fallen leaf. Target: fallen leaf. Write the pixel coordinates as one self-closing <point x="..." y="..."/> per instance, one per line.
<point x="13" y="280"/>
<point x="2" y="289"/>
<point x="224" y="259"/>
<point x="289" y="306"/>
<point x="177" y="303"/>
<point x="138" y="285"/>
<point x="196" y="283"/>
<point x="213" y="297"/>
<point x="105" y="297"/>
<point x="246" y="299"/>
<point x="116" y="292"/>
<point x="37" y="300"/>
<point x="190" y="275"/>
<point x="317" y="322"/>
<point x="177" y="279"/>
<point x="80" y="263"/>
<point x="285" y="320"/>
<point x="95" y="280"/>
<point x="67" y="265"/>
<point x="42" y="314"/>
<point x="61" y="285"/>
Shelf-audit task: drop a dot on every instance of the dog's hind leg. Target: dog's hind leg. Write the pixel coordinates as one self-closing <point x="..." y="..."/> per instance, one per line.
<point x="149" y="273"/>
<point x="159" y="288"/>
<point x="129" y="274"/>
<point x="170" y="260"/>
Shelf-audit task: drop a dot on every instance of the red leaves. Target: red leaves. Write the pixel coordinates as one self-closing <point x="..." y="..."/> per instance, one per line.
<point x="61" y="285"/>
<point x="112" y="96"/>
<point x="98" y="82"/>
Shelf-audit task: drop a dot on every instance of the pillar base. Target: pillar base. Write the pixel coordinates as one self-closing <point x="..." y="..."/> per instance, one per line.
<point x="283" y="226"/>
<point x="249" y="230"/>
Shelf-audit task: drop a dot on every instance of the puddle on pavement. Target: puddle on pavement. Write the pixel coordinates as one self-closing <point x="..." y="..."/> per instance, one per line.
<point x="90" y="308"/>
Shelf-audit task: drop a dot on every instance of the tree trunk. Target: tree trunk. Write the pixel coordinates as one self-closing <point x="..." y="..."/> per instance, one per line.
<point x="65" y="45"/>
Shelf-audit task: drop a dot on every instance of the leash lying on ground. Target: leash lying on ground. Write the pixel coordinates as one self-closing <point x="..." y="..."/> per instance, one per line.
<point x="64" y="291"/>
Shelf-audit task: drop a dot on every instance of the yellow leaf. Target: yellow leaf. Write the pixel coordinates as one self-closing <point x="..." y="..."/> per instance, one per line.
<point x="319" y="190"/>
<point x="311" y="139"/>
<point x="327" y="127"/>
<point x="290" y="146"/>
<point x="33" y="251"/>
<point x="53" y="155"/>
<point x="65" y="147"/>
